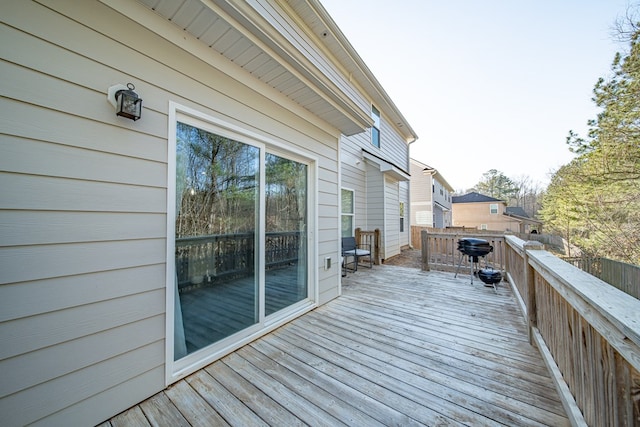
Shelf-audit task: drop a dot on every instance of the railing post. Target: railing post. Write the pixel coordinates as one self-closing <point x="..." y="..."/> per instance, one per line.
<point x="530" y="280"/>
<point x="376" y="244"/>
<point x="424" y="241"/>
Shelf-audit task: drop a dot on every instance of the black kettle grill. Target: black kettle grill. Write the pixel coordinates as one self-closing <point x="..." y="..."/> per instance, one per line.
<point x="475" y="248"/>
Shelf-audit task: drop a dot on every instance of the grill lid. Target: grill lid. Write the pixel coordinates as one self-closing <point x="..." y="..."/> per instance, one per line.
<point x="474" y="247"/>
<point x="472" y="241"/>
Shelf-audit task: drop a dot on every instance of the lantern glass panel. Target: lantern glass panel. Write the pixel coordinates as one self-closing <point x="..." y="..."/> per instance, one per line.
<point x="129" y="105"/>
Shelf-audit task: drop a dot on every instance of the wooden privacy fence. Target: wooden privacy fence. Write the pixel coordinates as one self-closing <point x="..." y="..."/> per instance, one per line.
<point x="440" y="251"/>
<point x="588" y="333"/>
<point x="623" y="276"/>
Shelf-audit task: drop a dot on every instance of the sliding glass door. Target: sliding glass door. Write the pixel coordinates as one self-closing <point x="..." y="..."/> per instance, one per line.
<point x="286" y="233"/>
<point x="241" y="236"/>
<point x="217" y="185"/>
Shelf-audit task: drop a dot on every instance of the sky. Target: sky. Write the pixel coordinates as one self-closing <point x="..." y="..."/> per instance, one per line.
<point x="487" y="84"/>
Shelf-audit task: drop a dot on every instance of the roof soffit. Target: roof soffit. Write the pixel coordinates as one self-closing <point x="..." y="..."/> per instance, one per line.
<point x="239" y="31"/>
<point x="356" y="68"/>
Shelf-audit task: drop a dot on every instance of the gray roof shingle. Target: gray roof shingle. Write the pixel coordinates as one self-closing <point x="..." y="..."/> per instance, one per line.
<point x="474" y="197"/>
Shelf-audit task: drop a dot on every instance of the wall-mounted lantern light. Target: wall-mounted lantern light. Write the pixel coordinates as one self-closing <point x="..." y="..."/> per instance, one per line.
<point x="126" y="102"/>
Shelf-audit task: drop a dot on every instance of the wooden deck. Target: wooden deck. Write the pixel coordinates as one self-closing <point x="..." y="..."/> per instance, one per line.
<point x="400" y="347"/>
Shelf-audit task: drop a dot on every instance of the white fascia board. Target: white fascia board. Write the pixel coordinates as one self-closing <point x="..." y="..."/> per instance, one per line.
<point x="256" y="28"/>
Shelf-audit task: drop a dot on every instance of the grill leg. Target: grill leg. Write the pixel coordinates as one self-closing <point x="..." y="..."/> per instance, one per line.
<point x="459" y="264"/>
<point x="471" y="267"/>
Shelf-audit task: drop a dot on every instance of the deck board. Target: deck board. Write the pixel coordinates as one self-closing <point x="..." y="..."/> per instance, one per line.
<point x="399" y="347"/>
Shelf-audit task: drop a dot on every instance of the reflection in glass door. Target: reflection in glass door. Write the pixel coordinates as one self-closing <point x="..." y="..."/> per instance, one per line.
<point x="286" y="233"/>
<point x="217" y="205"/>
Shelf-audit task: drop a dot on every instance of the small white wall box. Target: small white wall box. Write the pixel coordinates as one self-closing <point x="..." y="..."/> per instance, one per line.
<point x="327" y="263"/>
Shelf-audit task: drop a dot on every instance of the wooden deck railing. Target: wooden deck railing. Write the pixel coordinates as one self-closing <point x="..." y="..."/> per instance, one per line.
<point x="590" y="330"/>
<point x="587" y="331"/>
<point x="623" y="276"/>
<point x="371" y="239"/>
<point x="440" y="251"/>
<point x="204" y="259"/>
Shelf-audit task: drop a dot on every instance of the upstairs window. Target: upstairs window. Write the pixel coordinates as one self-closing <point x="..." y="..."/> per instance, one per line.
<point x="493" y="208"/>
<point x="375" y="130"/>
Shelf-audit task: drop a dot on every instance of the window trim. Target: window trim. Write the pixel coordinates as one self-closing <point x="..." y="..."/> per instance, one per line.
<point x="351" y="214"/>
<point x="375" y="129"/>
<point x="491" y="206"/>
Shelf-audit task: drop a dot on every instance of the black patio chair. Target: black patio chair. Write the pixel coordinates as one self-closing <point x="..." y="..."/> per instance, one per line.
<point x="351" y="249"/>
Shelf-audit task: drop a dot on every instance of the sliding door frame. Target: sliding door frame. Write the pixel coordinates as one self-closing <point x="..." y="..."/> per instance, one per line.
<point x="177" y="369"/>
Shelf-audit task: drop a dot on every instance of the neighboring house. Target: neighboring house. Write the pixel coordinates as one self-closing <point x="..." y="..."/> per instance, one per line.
<point x="430" y="197"/>
<point x="124" y="243"/>
<point x="476" y="210"/>
<point x="527" y="224"/>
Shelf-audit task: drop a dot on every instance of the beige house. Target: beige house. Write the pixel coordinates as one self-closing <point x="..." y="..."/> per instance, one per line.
<point x="475" y="210"/>
<point x="138" y="248"/>
<point x="430" y="197"/>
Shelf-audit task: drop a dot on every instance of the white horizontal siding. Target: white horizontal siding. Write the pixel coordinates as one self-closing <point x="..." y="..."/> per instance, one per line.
<point x="47" y="329"/>
<point x="26" y="263"/>
<point x="67" y="390"/>
<point x="373" y="203"/>
<point x="104" y="344"/>
<point x="393" y="147"/>
<point x="26" y="299"/>
<point x="421" y="196"/>
<point x="354" y="179"/>
<point x="443" y="199"/>
<point x="32" y="157"/>
<point x="375" y="198"/>
<point x="52" y="126"/>
<point x="23" y="227"/>
<point x="31" y="192"/>
<point x="420" y="184"/>
<point x="133" y="389"/>
<point x="83" y="202"/>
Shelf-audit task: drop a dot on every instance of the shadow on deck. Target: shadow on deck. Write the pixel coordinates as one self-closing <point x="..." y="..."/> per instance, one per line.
<point x="399" y="347"/>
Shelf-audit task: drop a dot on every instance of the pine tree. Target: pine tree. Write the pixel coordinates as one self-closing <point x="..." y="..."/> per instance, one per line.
<point x="595" y="200"/>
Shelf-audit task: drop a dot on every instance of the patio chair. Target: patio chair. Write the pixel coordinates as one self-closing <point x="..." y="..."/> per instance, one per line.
<point x="351" y="249"/>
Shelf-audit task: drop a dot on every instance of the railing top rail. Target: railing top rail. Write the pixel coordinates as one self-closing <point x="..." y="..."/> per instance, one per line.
<point x="516" y="243"/>
<point x="622" y="311"/>
<point x="461" y="234"/>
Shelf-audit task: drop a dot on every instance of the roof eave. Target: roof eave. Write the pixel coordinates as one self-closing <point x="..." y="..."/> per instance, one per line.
<point x="363" y="75"/>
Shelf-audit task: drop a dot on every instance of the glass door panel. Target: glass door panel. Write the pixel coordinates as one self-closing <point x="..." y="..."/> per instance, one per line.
<point x="286" y="233"/>
<point x="217" y="205"/>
